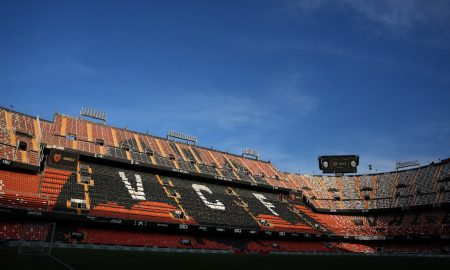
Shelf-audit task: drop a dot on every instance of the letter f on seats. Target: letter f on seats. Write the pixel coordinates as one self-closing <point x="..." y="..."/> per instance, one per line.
<point x="269" y="205"/>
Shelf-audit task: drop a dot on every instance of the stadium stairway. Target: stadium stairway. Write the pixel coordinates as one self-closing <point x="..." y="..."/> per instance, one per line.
<point x="185" y="218"/>
<point x="242" y="204"/>
<point x="272" y="211"/>
<point x="314" y="218"/>
<point x="52" y="182"/>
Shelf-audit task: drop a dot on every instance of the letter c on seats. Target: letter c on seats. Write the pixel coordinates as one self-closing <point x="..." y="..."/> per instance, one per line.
<point x="199" y="188"/>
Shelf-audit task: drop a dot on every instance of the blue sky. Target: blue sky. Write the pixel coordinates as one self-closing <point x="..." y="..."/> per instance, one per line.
<point x="292" y="79"/>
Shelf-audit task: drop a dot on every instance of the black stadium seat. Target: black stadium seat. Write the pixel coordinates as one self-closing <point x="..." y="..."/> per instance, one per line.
<point x="109" y="187"/>
<point x="223" y="210"/>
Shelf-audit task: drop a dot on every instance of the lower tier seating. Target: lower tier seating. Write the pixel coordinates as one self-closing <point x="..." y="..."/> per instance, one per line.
<point x="132" y="238"/>
<point x="20" y="231"/>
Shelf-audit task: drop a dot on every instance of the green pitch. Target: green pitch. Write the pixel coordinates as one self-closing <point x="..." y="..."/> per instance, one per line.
<point x="130" y="260"/>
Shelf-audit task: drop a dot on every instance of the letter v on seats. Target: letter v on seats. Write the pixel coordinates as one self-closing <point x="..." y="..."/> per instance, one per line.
<point x="138" y="193"/>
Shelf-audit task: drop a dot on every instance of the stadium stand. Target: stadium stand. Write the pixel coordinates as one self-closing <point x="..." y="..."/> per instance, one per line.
<point x="21" y="190"/>
<point x="135" y="238"/>
<point x="271" y="211"/>
<point x="18" y="231"/>
<point x="76" y="168"/>
<point x="212" y="204"/>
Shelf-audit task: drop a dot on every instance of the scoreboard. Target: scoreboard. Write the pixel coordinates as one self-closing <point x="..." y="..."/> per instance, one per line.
<point x="339" y="163"/>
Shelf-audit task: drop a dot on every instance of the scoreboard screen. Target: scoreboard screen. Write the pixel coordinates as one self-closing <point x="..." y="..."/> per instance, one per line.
<point x="339" y="164"/>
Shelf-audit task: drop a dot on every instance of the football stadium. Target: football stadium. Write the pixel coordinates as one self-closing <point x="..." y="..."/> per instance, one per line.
<point x="76" y="183"/>
<point x="191" y="134"/>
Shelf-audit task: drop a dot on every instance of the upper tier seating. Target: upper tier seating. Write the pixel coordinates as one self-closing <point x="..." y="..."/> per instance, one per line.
<point x="18" y="138"/>
<point x="87" y="136"/>
<point x="422" y="186"/>
<point x="414" y="187"/>
<point x="124" y="144"/>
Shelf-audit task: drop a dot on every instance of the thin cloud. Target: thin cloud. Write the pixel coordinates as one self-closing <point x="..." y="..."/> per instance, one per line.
<point x="309" y="46"/>
<point x="216" y="109"/>
<point x="397" y="16"/>
<point x="68" y="67"/>
<point x="228" y="112"/>
<point x="291" y="94"/>
<point x="284" y="161"/>
<point x="400" y="15"/>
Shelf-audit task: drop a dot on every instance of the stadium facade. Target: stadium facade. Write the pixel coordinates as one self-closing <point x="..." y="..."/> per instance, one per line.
<point x="99" y="184"/>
